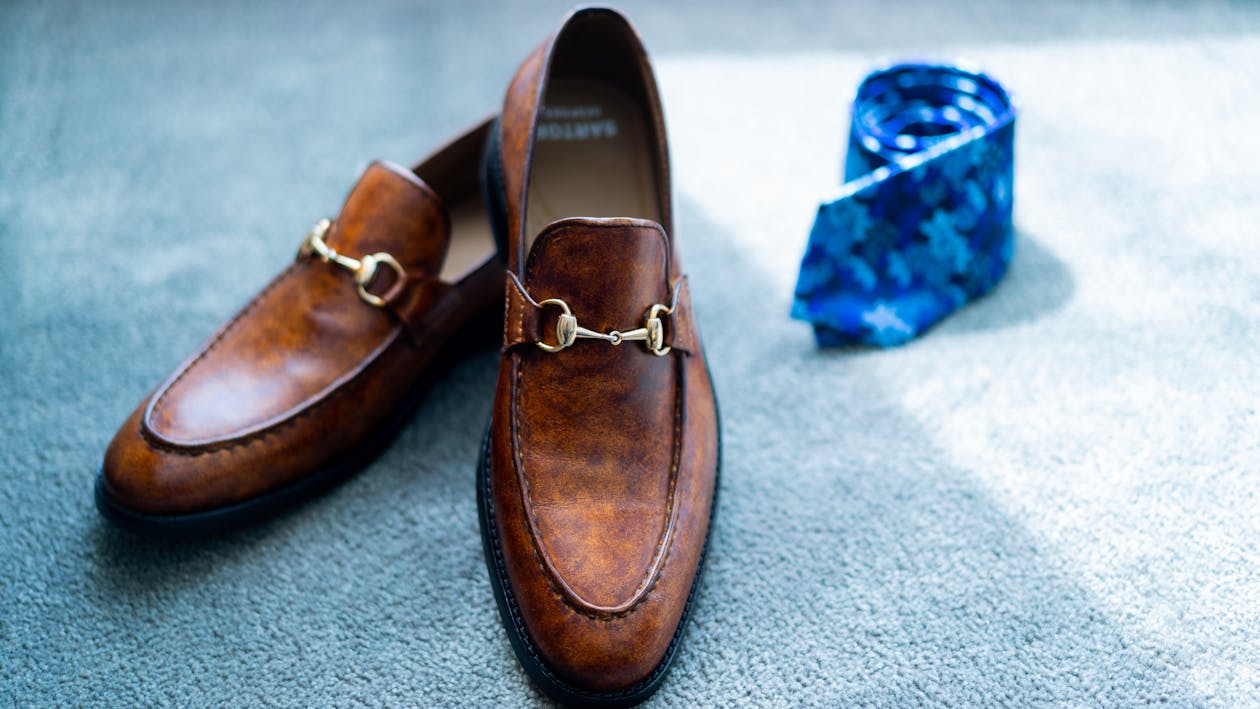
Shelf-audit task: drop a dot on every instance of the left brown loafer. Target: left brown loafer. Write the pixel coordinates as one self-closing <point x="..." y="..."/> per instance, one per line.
<point x="319" y="371"/>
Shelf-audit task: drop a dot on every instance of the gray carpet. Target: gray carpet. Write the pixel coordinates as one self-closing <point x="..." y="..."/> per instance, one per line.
<point x="1050" y="499"/>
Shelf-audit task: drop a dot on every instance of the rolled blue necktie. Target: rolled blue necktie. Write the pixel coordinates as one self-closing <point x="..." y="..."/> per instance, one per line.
<point x="923" y="223"/>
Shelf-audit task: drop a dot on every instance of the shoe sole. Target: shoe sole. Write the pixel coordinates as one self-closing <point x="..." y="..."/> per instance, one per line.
<point x="546" y="680"/>
<point x="339" y="470"/>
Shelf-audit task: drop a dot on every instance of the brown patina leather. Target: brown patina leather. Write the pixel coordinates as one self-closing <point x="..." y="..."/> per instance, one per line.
<point x="603" y="458"/>
<point x="308" y="370"/>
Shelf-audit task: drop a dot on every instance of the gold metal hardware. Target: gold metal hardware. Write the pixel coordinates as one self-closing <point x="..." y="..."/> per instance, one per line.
<point x="652" y="334"/>
<point x="364" y="269"/>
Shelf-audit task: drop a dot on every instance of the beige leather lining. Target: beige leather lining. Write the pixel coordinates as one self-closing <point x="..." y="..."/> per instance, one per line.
<point x="592" y="157"/>
<point x="472" y="241"/>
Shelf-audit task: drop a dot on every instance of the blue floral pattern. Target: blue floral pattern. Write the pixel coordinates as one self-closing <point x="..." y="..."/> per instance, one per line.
<point x="924" y="223"/>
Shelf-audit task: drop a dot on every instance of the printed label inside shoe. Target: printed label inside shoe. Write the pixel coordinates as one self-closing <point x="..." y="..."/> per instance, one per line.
<point x="575" y="123"/>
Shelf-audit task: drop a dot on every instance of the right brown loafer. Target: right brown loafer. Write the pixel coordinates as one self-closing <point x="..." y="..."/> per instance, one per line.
<point x="319" y="371"/>
<point x="600" y="469"/>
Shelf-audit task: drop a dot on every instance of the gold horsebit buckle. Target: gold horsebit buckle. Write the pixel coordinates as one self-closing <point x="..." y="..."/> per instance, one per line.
<point x="568" y="331"/>
<point x="364" y="269"/>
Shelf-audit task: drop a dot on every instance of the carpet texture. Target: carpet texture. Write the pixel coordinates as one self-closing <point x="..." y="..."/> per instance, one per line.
<point x="1049" y="499"/>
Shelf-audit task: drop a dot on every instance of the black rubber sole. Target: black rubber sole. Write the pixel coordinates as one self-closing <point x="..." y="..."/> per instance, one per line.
<point x="483" y="329"/>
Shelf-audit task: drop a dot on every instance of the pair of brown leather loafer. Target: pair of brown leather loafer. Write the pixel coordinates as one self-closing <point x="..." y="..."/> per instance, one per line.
<point x="600" y="464"/>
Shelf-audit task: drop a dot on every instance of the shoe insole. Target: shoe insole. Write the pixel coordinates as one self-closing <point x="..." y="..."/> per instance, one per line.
<point x="472" y="242"/>
<point x="592" y="157"/>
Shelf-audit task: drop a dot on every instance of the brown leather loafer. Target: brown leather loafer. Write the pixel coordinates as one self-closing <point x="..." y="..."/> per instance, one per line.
<point x="600" y="468"/>
<point x="319" y="371"/>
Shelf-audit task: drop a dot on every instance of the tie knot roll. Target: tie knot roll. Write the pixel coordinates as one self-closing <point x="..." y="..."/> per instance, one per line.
<point x="923" y="223"/>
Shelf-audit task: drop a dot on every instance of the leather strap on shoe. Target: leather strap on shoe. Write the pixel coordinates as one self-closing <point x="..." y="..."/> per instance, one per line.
<point x="424" y="301"/>
<point x="413" y="299"/>
<point x="398" y="232"/>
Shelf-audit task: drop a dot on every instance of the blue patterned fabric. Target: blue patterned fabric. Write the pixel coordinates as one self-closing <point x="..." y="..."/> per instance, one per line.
<point x="923" y="223"/>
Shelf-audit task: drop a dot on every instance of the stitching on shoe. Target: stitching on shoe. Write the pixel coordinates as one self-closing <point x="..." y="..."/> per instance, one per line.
<point x="519" y="623"/>
<point x="533" y="542"/>
<point x="507" y="310"/>
<point x="218" y="339"/>
<point x="664" y="539"/>
<point x="275" y="429"/>
<point x="153" y="438"/>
